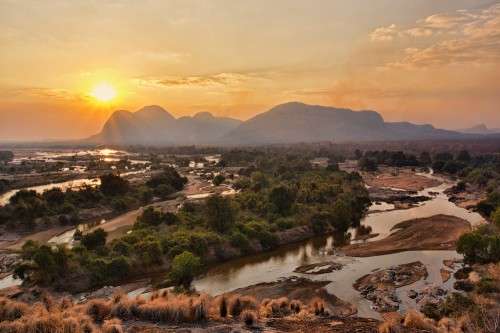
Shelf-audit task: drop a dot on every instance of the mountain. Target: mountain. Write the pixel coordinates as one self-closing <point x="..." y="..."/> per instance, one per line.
<point x="286" y="123"/>
<point x="480" y="129"/>
<point x="154" y="125"/>
<point x="298" y="122"/>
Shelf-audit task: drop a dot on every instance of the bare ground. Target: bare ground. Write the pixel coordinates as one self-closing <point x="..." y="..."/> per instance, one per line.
<point x="400" y="178"/>
<point x="438" y="232"/>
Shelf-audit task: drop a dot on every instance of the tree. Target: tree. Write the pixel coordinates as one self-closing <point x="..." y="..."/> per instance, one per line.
<point x="464" y="156"/>
<point x="495" y="217"/>
<point x="425" y="158"/>
<point x="282" y="199"/>
<point x="94" y="239"/>
<point x="341" y="215"/>
<point x="150" y="216"/>
<point x="185" y="267"/>
<point x="6" y="156"/>
<point x="112" y="185"/>
<point x="367" y="164"/>
<point x="220" y="214"/>
<point x="219" y="179"/>
<point x="319" y="222"/>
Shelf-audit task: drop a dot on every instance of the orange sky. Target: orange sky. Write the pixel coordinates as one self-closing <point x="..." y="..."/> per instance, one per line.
<point x="423" y="61"/>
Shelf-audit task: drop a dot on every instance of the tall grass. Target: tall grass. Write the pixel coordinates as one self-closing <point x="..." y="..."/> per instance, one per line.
<point x="105" y="315"/>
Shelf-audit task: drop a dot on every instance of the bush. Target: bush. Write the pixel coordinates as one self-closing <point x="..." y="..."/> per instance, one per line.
<point x="219" y="179"/>
<point x="94" y="239"/>
<point x="112" y="185"/>
<point x="185" y="267"/>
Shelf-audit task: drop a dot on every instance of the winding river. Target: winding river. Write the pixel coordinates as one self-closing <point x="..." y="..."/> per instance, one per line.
<point x="271" y="266"/>
<point x="268" y="267"/>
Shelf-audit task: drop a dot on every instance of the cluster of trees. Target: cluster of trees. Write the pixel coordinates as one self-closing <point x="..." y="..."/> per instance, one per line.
<point x="279" y="192"/>
<point x="6" y="156"/>
<point x="28" y="209"/>
<point x="441" y="162"/>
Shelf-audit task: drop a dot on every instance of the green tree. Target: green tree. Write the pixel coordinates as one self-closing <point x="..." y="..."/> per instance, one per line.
<point x="112" y="185"/>
<point x="220" y="214"/>
<point x="95" y="239"/>
<point x="495" y="217"/>
<point x="219" y="179"/>
<point x="282" y="199"/>
<point x="185" y="267"/>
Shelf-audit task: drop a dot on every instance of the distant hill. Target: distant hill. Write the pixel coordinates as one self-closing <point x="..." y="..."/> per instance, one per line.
<point x="480" y="129"/>
<point x="286" y="123"/>
<point x="155" y="126"/>
<point x="298" y="122"/>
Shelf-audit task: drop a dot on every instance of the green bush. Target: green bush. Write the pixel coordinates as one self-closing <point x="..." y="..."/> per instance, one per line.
<point x="185" y="267"/>
<point x="95" y="239"/>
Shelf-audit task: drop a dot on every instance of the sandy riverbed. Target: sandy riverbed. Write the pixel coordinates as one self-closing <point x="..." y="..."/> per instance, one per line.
<point x="438" y="232"/>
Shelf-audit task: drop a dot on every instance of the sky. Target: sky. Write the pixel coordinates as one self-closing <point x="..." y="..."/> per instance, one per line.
<point x="422" y="61"/>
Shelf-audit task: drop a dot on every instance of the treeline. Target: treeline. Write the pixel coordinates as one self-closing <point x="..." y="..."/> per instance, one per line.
<point x="279" y="193"/>
<point x="28" y="209"/>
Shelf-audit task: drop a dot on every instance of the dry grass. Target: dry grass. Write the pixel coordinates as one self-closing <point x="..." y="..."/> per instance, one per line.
<point x="105" y="316"/>
<point x="249" y="317"/>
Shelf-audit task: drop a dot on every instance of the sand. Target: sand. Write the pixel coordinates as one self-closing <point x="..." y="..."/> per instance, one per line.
<point x="438" y="232"/>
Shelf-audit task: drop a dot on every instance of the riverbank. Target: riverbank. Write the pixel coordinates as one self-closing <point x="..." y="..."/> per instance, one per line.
<point x="438" y="232"/>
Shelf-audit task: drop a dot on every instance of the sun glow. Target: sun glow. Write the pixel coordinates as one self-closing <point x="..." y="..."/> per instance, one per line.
<point x="103" y="92"/>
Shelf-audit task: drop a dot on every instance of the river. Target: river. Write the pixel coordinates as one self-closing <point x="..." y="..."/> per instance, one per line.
<point x="271" y="266"/>
<point x="268" y="267"/>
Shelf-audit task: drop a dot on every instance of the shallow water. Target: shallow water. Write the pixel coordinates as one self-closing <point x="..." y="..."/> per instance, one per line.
<point x="282" y="262"/>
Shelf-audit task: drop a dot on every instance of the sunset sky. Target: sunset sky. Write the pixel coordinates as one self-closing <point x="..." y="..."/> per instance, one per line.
<point x="424" y="61"/>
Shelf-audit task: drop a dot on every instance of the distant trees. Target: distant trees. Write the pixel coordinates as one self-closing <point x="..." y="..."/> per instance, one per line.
<point x="6" y="156"/>
<point x="282" y="198"/>
<point x="220" y="214"/>
<point x="219" y="179"/>
<point x="112" y="185"/>
<point x="367" y="164"/>
<point x="166" y="183"/>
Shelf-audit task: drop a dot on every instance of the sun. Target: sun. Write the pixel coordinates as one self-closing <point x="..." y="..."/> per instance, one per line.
<point x="103" y="92"/>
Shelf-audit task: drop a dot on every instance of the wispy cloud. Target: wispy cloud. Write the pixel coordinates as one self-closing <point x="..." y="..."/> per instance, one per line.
<point x="384" y="34"/>
<point x="459" y="37"/>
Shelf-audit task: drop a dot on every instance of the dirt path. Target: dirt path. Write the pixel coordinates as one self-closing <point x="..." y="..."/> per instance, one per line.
<point x="438" y="232"/>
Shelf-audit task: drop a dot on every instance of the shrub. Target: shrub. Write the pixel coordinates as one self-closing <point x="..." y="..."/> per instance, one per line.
<point x="94" y="239"/>
<point x="185" y="267"/>
<point x="249" y="317"/>
<point x="219" y="179"/>
<point x="98" y="310"/>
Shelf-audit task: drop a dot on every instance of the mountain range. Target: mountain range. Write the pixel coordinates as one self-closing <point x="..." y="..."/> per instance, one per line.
<point x="480" y="129"/>
<point x="285" y="123"/>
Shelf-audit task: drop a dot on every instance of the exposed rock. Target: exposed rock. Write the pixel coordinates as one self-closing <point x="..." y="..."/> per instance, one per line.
<point x="319" y="268"/>
<point x="380" y="286"/>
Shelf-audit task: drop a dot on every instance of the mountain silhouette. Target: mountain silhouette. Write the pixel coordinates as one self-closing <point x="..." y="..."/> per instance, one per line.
<point x="285" y="123"/>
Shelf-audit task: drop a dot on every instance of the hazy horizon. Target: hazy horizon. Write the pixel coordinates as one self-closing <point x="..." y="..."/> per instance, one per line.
<point x="66" y="66"/>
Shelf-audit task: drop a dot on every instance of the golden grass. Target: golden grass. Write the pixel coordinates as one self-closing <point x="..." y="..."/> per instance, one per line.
<point x="105" y="315"/>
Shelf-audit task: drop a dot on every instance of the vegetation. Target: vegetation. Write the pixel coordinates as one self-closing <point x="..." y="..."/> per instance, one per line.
<point x="279" y="193"/>
<point x="29" y="209"/>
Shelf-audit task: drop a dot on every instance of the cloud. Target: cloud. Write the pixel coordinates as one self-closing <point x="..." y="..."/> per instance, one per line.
<point x="384" y="34"/>
<point x="212" y="80"/>
<point x="462" y="37"/>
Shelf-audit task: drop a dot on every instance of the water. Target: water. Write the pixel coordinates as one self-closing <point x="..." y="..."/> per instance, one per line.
<point x="74" y="184"/>
<point x="269" y="267"/>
